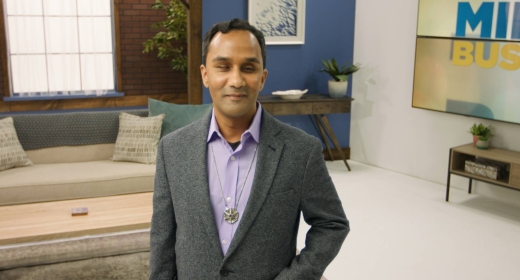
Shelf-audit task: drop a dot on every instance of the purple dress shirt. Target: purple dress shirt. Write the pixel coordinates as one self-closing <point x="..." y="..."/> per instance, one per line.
<point x="232" y="169"/>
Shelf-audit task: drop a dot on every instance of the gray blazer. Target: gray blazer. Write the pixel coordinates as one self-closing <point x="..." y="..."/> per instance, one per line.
<point x="290" y="178"/>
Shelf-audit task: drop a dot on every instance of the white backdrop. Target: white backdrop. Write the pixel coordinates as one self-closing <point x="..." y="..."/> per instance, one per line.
<point x="385" y="130"/>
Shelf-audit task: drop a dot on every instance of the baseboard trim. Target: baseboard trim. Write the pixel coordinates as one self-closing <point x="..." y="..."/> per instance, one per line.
<point x="335" y="153"/>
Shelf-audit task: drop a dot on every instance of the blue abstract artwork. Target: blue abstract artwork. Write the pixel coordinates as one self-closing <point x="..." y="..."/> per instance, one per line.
<point x="277" y="17"/>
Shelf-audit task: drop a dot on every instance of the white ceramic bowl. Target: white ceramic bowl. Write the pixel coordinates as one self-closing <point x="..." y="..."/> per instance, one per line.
<point x="290" y="94"/>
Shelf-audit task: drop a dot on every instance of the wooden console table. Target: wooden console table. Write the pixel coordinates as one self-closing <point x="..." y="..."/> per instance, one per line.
<point x="315" y="106"/>
<point x="459" y="155"/>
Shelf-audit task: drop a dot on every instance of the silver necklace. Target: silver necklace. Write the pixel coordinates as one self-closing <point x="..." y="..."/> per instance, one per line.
<point x="231" y="214"/>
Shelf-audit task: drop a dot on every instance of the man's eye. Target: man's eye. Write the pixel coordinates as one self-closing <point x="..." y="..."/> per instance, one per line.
<point x="223" y="67"/>
<point x="249" y="69"/>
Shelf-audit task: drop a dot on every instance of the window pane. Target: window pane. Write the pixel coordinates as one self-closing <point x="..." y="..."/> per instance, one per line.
<point x="24" y="7"/>
<point x="26" y="35"/>
<point x="94" y="7"/>
<point x="95" y="34"/>
<point x="29" y="73"/>
<point x="64" y="72"/>
<point x="61" y="34"/>
<point x="97" y="71"/>
<point x="59" y="7"/>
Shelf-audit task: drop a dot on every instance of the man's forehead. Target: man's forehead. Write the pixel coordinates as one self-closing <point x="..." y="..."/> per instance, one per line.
<point x="234" y="36"/>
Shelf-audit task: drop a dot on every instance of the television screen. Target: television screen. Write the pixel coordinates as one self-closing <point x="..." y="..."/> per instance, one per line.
<point x="467" y="58"/>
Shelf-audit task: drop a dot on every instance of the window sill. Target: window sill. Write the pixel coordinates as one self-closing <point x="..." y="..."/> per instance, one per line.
<point x="61" y="97"/>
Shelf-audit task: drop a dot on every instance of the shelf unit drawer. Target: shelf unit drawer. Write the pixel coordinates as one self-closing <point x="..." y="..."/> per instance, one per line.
<point x="515" y="175"/>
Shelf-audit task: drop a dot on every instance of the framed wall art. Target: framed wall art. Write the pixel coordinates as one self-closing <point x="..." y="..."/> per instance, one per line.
<point x="281" y="21"/>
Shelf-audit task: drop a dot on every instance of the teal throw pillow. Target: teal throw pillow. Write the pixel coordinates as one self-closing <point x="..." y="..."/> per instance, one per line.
<point x="177" y="115"/>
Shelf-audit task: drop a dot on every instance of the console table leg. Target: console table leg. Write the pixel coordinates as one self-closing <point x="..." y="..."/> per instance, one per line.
<point x="449" y="177"/>
<point x="469" y="189"/>
<point x="448" y="187"/>
<point x="322" y="135"/>
<point x="333" y="139"/>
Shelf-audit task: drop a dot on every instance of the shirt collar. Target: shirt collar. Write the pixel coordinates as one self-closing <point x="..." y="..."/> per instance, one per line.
<point x="253" y="130"/>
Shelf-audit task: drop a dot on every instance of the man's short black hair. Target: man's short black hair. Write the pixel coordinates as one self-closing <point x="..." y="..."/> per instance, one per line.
<point x="226" y="26"/>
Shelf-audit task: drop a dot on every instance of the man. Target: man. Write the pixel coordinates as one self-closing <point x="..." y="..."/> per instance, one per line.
<point x="229" y="188"/>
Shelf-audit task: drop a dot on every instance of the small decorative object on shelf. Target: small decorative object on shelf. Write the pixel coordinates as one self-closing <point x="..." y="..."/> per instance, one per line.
<point x="483" y="142"/>
<point x="481" y="133"/>
<point x="80" y="211"/>
<point x="290" y="94"/>
<point x="472" y="167"/>
<point x="338" y="86"/>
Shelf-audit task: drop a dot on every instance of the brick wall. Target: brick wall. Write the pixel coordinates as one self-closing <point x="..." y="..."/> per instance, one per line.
<point x="142" y="74"/>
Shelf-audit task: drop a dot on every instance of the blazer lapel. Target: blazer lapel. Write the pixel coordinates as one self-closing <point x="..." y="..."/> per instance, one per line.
<point x="198" y="178"/>
<point x="269" y="152"/>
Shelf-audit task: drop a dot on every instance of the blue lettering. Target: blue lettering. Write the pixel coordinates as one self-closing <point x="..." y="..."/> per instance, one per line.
<point x="515" y="34"/>
<point x="484" y="15"/>
<point x="502" y="17"/>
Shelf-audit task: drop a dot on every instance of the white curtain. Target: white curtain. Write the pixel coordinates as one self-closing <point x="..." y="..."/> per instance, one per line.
<point x="60" y="47"/>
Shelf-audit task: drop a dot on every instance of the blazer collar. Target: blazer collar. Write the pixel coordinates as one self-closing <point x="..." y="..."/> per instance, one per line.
<point x="199" y="181"/>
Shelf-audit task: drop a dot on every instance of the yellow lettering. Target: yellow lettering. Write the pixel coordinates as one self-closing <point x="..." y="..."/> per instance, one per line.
<point x="493" y="55"/>
<point x="462" y="53"/>
<point x="507" y="54"/>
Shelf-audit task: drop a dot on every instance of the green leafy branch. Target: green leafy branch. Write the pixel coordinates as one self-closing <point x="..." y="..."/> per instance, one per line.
<point x="173" y="28"/>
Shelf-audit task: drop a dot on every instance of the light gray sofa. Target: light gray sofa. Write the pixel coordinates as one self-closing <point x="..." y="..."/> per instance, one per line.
<point x="71" y="154"/>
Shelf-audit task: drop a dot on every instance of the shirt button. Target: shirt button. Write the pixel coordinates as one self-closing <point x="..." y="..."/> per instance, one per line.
<point x="232" y="157"/>
<point x="224" y="241"/>
<point x="228" y="199"/>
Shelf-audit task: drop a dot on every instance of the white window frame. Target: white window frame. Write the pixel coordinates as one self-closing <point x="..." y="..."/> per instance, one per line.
<point x="44" y="95"/>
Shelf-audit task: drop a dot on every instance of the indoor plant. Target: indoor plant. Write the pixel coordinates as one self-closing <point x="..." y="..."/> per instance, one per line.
<point x="481" y="131"/>
<point x="338" y="86"/>
<point x="483" y="142"/>
<point x="174" y="28"/>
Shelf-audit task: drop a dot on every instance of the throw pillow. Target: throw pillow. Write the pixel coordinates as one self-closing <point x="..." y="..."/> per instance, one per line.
<point x="138" y="138"/>
<point x="177" y="115"/>
<point x="11" y="151"/>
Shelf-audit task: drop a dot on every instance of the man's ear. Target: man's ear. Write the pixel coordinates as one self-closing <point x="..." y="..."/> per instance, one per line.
<point x="264" y="77"/>
<point x="204" y="74"/>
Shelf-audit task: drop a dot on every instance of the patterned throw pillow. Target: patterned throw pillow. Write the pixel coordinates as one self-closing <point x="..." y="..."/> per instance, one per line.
<point x="138" y="138"/>
<point x="11" y="151"/>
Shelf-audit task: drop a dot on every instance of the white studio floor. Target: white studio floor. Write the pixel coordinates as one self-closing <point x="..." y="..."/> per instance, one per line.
<point x="401" y="228"/>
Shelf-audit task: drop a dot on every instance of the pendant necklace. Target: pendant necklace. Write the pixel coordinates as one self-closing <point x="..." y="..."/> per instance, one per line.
<point x="231" y="214"/>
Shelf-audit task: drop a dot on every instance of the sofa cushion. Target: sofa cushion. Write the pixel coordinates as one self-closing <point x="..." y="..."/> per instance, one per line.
<point x="138" y="138"/>
<point x="70" y="154"/>
<point x="11" y="152"/>
<point x="49" y="182"/>
<point x="177" y="115"/>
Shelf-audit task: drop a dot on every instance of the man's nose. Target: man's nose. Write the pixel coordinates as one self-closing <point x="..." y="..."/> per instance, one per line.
<point x="236" y="79"/>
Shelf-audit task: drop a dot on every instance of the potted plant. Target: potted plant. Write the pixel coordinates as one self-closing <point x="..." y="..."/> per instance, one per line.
<point x="483" y="142"/>
<point x="174" y="28"/>
<point x="338" y="86"/>
<point x="481" y="131"/>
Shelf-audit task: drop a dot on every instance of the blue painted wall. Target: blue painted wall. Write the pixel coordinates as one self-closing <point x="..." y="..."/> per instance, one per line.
<point x="329" y="33"/>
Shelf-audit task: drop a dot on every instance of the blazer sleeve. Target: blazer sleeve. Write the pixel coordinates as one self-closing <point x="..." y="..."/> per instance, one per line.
<point x="163" y="228"/>
<point x="322" y="210"/>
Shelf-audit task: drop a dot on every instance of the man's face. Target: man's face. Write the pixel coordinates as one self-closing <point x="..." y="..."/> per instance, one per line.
<point x="234" y="74"/>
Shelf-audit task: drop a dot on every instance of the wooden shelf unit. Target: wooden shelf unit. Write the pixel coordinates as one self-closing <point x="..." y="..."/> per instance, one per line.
<point x="459" y="155"/>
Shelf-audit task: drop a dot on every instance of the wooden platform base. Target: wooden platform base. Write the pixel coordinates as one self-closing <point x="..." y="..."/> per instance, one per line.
<point x="53" y="220"/>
